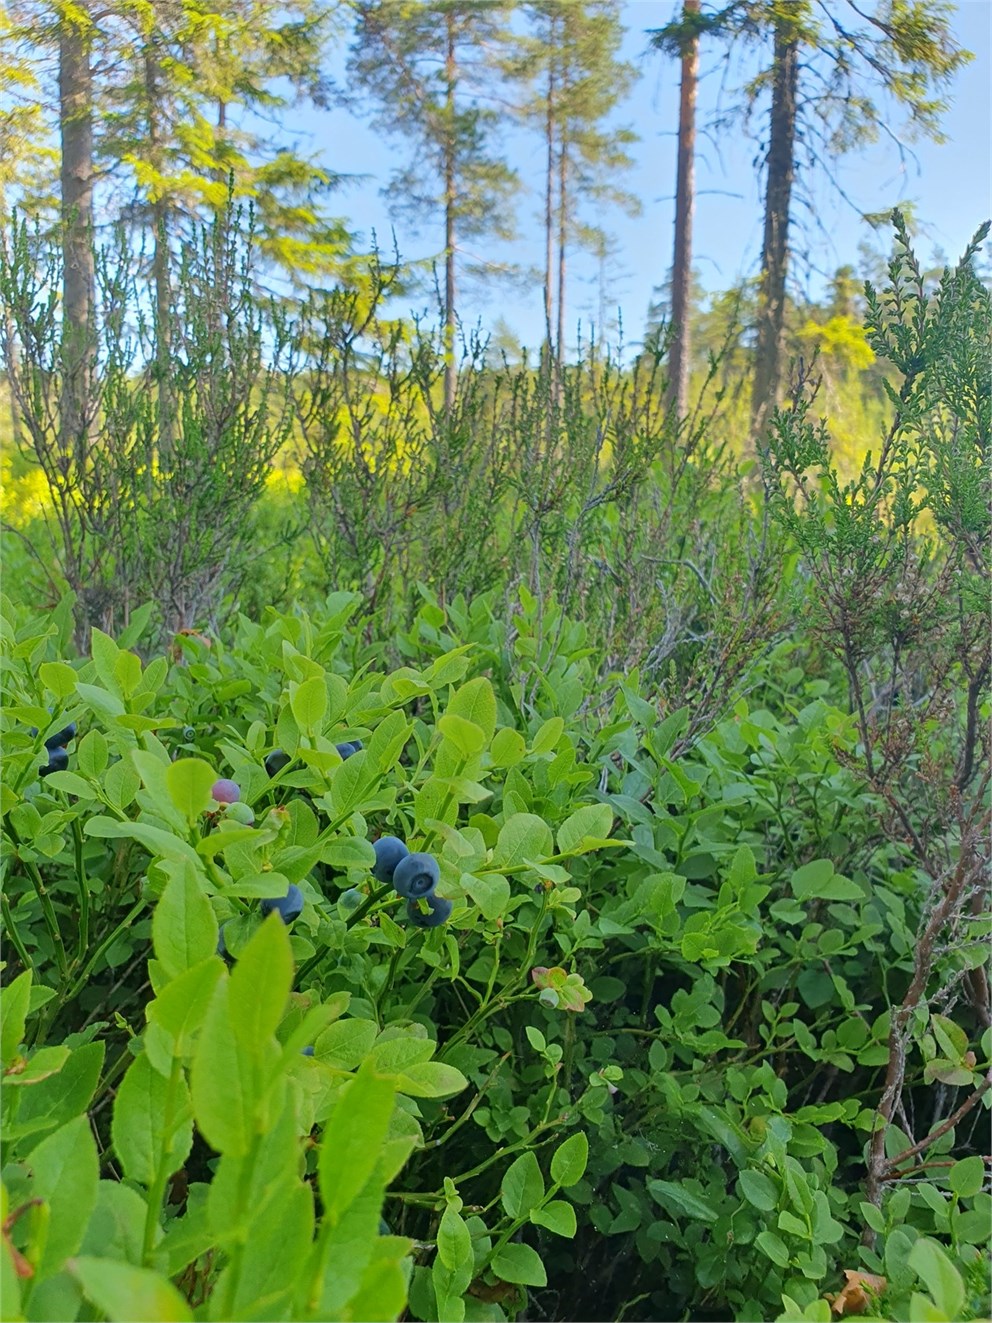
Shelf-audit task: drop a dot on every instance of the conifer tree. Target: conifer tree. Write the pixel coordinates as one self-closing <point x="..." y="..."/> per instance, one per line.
<point x="682" y="39"/>
<point x="839" y="76"/>
<point x="570" y="65"/>
<point x="176" y="92"/>
<point x="149" y="109"/>
<point x="75" y="85"/>
<point x="429" y="71"/>
<point x="28" y="152"/>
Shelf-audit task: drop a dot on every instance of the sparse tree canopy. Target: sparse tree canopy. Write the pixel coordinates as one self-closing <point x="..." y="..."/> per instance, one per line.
<point x="186" y="97"/>
<point x="429" y="74"/>
<point x="568" y="62"/>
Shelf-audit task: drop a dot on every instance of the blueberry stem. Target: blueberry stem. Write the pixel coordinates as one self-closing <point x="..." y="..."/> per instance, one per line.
<point x="387" y="982"/>
<point x="10" y="928"/>
<point x="500" y="1153"/>
<point x="110" y="1076"/>
<point x="47" y="908"/>
<point x="489" y="1007"/>
<point x="479" y="1016"/>
<point x="497" y="948"/>
<point x="105" y="946"/>
<point x="422" y="992"/>
<point x="84" y="894"/>
<point x="460" y="1121"/>
<point x="354" y="917"/>
<point x="156" y="1191"/>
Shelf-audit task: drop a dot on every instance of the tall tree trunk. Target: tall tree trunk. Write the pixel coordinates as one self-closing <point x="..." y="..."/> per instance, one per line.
<point x="562" y="243"/>
<point x="549" y="198"/>
<point x="778" y="197"/>
<point x="685" y="197"/>
<point x="222" y="216"/>
<point x="78" y="273"/>
<point x="160" y="269"/>
<point x="450" y="202"/>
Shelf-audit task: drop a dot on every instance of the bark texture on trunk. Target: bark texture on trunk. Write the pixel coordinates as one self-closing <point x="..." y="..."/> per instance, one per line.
<point x="450" y="236"/>
<point x="160" y="268"/>
<point x="78" y="274"/>
<point x="562" y="244"/>
<point x="549" y="206"/>
<point x="685" y="197"/>
<point x="775" y="247"/>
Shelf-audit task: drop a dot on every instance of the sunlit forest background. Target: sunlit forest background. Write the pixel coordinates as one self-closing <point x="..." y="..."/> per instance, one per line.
<point x="169" y="120"/>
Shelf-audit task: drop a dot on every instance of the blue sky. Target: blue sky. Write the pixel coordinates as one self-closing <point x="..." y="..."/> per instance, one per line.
<point x="950" y="184"/>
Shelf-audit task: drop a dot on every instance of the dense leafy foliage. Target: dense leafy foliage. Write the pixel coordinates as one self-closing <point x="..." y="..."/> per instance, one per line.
<point x="679" y="961"/>
<point x="492" y="977"/>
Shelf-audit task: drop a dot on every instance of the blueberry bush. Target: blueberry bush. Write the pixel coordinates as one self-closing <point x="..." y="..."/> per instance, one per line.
<point x="204" y="934"/>
<point x="458" y="974"/>
<point x="617" y="1042"/>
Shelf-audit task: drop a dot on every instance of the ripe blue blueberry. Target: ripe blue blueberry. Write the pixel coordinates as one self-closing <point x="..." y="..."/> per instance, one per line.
<point x="289" y="907"/>
<point x="346" y="750"/>
<point x="416" y="876"/>
<point x="276" y="761"/>
<point x="389" y="850"/>
<point x="440" y="912"/>
<point x="58" y="761"/>
<point x="225" y="791"/>
<point x="61" y="737"/>
<point x="307" y="1051"/>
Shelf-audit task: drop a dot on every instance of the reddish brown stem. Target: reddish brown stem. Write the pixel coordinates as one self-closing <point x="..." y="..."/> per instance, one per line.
<point x="892" y="1163"/>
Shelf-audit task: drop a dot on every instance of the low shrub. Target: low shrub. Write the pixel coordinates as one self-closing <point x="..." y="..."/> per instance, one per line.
<point x="644" y="1045"/>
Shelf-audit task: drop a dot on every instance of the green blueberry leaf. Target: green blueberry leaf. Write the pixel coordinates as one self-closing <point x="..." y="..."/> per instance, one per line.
<point x="557" y="1216"/>
<point x="189" y="781"/>
<point x="680" y="1200"/>
<point x="520" y="1264"/>
<point x="124" y="1292"/>
<point x="592" y="820"/>
<point x="523" y="1186"/>
<point x="568" y="1163"/>
<point x="184" y="930"/>
<point x="308" y="702"/>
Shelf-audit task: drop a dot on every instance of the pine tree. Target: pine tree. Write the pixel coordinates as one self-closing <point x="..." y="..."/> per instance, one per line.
<point x="569" y="62"/>
<point x="176" y="89"/>
<point x="779" y="177"/>
<point x="429" y="70"/>
<point x="76" y="183"/>
<point x="28" y="152"/>
<point x="153" y="104"/>
<point x="682" y="39"/>
<point x="836" y="73"/>
<point x="181" y="123"/>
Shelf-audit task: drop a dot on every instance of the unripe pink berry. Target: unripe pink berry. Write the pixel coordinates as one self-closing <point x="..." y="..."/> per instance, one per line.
<point x="225" y="791"/>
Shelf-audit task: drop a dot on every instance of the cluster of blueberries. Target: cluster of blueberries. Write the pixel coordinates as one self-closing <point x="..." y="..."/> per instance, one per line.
<point x="58" y="754"/>
<point x="413" y="876"/>
<point x="279" y="758"/>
